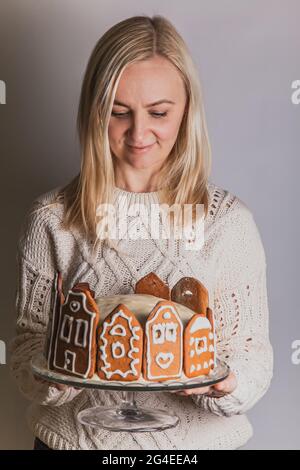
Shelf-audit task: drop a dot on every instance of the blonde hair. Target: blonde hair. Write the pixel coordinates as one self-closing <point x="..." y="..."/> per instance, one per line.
<point x="186" y="169"/>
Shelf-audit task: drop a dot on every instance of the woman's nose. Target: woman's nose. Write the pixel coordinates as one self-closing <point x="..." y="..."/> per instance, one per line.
<point x="137" y="129"/>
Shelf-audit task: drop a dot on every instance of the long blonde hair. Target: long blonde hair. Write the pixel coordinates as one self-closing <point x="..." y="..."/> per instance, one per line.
<point x="186" y="170"/>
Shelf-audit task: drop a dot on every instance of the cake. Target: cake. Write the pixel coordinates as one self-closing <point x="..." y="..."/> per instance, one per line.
<point x="155" y="334"/>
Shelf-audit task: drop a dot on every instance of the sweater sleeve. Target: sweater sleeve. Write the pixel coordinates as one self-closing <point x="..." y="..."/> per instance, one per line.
<point x="241" y="314"/>
<point x="35" y="261"/>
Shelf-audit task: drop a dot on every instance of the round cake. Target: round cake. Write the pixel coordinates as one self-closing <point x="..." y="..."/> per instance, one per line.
<point x="155" y="334"/>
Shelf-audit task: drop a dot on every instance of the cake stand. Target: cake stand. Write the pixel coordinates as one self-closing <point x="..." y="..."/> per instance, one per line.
<point x="127" y="416"/>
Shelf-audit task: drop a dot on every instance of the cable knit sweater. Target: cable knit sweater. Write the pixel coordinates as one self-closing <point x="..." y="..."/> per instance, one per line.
<point x="231" y="264"/>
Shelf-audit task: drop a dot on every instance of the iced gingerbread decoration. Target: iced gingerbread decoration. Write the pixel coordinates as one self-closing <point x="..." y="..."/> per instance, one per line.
<point x="120" y="346"/>
<point x="72" y="336"/>
<point x="163" y="348"/>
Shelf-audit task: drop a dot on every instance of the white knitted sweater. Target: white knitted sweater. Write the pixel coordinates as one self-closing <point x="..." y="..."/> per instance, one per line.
<point x="231" y="264"/>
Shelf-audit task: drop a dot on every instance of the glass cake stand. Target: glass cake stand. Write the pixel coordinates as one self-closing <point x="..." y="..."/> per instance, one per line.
<point x="127" y="416"/>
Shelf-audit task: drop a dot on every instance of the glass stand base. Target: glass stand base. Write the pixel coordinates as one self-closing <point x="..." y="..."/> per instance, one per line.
<point x="128" y="417"/>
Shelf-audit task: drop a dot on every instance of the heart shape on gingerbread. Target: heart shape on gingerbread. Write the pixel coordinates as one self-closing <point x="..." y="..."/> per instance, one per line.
<point x="164" y="360"/>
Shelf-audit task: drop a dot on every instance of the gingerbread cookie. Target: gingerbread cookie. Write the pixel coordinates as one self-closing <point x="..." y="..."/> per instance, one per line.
<point x="190" y="292"/>
<point x="120" y="346"/>
<point x="163" y="343"/>
<point x="199" y="346"/>
<point x="152" y="285"/>
<point x="73" y="341"/>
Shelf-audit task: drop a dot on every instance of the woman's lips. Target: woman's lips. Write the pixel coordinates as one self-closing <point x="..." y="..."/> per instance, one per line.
<point x="139" y="150"/>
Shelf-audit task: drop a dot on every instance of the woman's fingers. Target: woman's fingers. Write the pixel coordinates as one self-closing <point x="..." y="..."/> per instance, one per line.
<point x="191" y="391"/>
<point x="228" y="385"/>
<point x="60" y="387"/>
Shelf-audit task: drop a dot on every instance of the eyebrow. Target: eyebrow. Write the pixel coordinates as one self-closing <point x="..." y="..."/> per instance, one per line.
<point x="119" y="103"/>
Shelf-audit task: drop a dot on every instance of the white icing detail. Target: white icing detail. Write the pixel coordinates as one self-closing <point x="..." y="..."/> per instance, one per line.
<point x="171" y="332"/>
<point x="205" y="366"/>
<point x="200" y="350"/>
<point x="164" y="360"/>
<point x="158" y="334"/>
<point x="118" y="330"/>
<point x="199" y="324"/>
<point x="167" y="316"/>
<point x="74" y="306"/>
<point x="211" y="348"/>
<point x="115" y="346"/>
<point x="70" y="358"/>
<point x="211" y="336"/>
<point x="192" y="368"/>
<point x="149" y="358"/>
<point x="192" y="339"/>
<point x="81" y="324"/>
<point x="67" y="322"/>
<point x="188" y="292"/>
<point x="199" y="366"/>
<point x="192" y="353"/>
<point x="134" y="337"/>
<point x="163" y="332"/>
<point x="92" y="316"/>
<point x="211" y="362"/>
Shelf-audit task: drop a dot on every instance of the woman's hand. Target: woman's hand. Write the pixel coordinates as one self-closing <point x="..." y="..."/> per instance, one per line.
<point x="60" y="387"/>
<point x="220" y="389"/>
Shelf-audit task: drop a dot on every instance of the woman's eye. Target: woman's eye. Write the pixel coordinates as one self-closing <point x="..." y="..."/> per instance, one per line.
<point x="156" y="115"/>
<point x="159" y="114"/>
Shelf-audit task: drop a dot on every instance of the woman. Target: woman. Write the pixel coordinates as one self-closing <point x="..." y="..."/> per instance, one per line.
<point x="144" y="140"/>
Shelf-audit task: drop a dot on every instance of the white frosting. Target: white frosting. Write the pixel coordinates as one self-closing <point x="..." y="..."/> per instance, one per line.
<point x="66" y="323"/>
<point x="74" y="306"/>
<point x="70" y="358"/>
<point x="106" y="368"/>
<point x="199" y="324"/>
<point x="118" y="330"/>
<point x="200" y="349"/>
<point x="164" y="360"/>
<point x="81" y="324"/>
<point x="115" y="347"/>
<point x="162" y="332"/>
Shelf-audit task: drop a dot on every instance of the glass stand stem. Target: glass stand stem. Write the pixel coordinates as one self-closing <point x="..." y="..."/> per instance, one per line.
<point x="128" y="400"/>
<point x="128" y="406"/>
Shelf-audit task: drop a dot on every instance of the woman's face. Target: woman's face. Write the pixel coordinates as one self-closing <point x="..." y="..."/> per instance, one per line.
<point x="147" y="112"/>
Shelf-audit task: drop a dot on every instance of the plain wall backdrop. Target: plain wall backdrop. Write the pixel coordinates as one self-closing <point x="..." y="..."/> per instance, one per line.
<point x="248" y="55"/>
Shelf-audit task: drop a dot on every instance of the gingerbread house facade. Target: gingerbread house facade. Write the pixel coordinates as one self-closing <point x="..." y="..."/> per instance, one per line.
<point x="72" y="346"/>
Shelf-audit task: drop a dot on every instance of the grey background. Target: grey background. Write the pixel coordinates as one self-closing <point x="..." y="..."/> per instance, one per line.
<point x="247" y="54"/>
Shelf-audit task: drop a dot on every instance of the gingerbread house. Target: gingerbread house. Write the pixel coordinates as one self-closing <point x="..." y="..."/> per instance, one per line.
<point x="72" y="343"/>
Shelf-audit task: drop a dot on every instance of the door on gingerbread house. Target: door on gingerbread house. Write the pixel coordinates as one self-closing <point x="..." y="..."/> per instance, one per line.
<point x="70" y="359"/>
